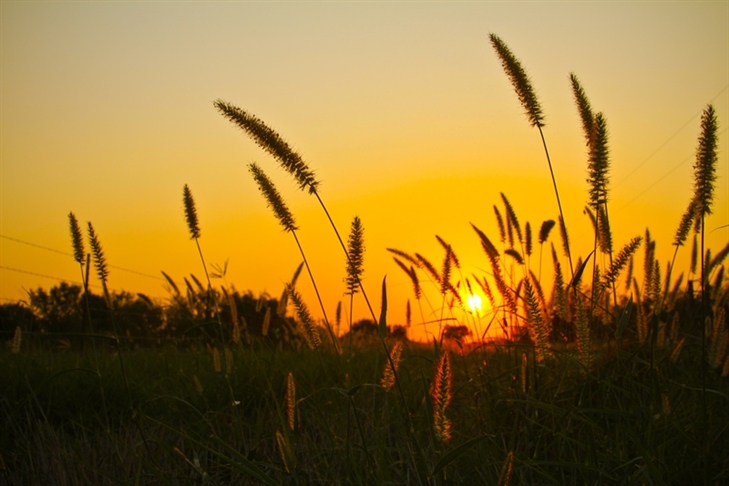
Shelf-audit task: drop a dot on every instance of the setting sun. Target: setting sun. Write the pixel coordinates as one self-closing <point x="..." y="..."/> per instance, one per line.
<point x="474" y="303"/>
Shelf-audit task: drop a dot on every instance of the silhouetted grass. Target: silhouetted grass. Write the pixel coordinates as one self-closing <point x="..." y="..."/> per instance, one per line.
<point x="596" y="377"/>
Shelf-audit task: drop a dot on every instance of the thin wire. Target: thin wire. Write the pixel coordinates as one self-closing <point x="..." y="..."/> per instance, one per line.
<point x="690" y="120"/>
<point x="35" y="274"/>
<point x="70" y="255"/>
<point x="663" y="177"/>
<point x="655" y="183"/>
<point x="35" y="245"/>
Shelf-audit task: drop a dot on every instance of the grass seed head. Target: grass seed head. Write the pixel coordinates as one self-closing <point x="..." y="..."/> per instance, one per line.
<point x="520" y="81"/>
<point x="355" y="256"/>
<point x="273" y="198"/>
<point x="98" y="252"/>
<point x="271" y="142"/>
<point x="190" y="213"/>
<point x="441" y="395"/>
<point x="506" y="470"/>
<point x="545" y="229"/>
<point x="311" y="333"/>
<point x="388" y="375"/>
<point x="705" y="167"/>
<point x="290" y="401"/>
<point x="285" y="452"/>
<point x="266" y="322"/>
<point x="584" y="108"/>
<point x="77" y="240"/>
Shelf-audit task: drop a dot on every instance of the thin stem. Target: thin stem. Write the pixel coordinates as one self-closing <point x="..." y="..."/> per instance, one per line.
<point x="85" y="283"/>
<point x="344" y="247"/>
<point x="211" y="296"/>
<point x="556" y="193"/>
<point x="316" y="291"/>
<point x="702" y="322"/>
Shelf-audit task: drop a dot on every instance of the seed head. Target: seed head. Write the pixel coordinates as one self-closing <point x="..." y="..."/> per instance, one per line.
<point x="79" y="253"/>
<point x="271" y="142"/>
<point x="190" y="213"/>
<point x="97" y="251"/>
<point x="520" y="81"/>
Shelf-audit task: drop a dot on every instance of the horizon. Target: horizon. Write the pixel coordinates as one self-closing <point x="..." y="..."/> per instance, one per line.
<point x="402" y="110"/>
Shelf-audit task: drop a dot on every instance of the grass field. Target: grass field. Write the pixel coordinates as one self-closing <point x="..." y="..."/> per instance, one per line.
<point x="640" y="418"/>
<point x="611" y="370"/>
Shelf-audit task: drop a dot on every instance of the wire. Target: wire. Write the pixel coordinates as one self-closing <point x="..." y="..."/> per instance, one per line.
<point x="664" y="175"/>
<point x="27" y="272"/>
<point x="655" y="183"/>
<point x="36" y="274"/>
<point x="667" y="141"/>
<point x="35" y="245"/>
<point x="70" y="255"/>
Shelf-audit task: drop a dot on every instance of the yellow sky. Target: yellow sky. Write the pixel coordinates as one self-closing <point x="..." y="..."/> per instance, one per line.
<point x="401" y="108"/>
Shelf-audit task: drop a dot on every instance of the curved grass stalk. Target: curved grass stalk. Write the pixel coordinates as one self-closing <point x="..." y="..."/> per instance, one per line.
<point x="286" y="219"/>
<point x="523" y="88"/>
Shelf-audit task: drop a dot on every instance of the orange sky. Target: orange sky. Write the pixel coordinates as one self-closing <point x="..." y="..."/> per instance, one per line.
<point x="401" y="108"/>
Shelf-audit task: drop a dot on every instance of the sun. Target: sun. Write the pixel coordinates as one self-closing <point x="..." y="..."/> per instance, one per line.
<point x="474" y="303"/>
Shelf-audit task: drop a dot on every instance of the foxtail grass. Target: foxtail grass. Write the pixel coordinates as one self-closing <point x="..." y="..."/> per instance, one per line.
<point x="536" y="323"/>
<point x="311" y="334"/>
<point x="441" y="394"/>
<point x="507" y="469"/>
<point x="528" y="99"/>
<point x="544" y="230"/>
<point x="596" y="138"/>
<point x="102" y="271"/>
<point x="354" y="267"/>
<point x="290" y="401"/>
<point x="270" y="141"/>
<point x="286" y="219"/>
<point x="193" y="226"/>
<point x="84" y="259"/>
<point x="391" y="367"/>
<point x="286" y="452"/>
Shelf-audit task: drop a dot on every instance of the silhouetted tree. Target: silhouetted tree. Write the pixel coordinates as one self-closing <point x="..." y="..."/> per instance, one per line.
<point x="58" y="310"/>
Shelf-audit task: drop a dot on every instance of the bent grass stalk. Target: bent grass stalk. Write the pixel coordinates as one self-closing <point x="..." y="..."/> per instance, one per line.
<point x="286" y="219"/>
<point x="523" y="88"/>
<point x="274" y="144"/>
<point x="270" y="141"/>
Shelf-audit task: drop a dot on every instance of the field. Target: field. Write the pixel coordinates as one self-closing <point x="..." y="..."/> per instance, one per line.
<point x="611" y="368"/>
<point x="641" y="417"/>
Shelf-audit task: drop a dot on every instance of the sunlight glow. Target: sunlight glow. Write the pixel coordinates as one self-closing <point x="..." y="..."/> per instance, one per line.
<point x="474" y="303"/>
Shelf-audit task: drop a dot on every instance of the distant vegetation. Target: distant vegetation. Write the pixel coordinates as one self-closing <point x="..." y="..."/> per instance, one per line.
<point x="611" y="367"/>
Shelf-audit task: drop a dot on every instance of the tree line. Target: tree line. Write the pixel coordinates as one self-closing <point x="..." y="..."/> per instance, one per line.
<point x="185" y="317"/>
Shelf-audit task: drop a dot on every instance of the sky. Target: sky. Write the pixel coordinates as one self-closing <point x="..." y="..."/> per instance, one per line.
<point x="401" y="108"/>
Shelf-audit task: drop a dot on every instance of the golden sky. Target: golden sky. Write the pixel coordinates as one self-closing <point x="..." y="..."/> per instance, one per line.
<point x="402" y="109"/>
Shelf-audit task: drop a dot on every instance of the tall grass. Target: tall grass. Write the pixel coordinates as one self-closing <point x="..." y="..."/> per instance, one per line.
<point x="595" y="378"/>
<point x="193" y="225"/>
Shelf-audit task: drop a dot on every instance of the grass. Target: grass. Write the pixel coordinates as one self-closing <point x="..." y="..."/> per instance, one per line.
<point x="632" y="421"/>
<point x="600" y="378"/>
